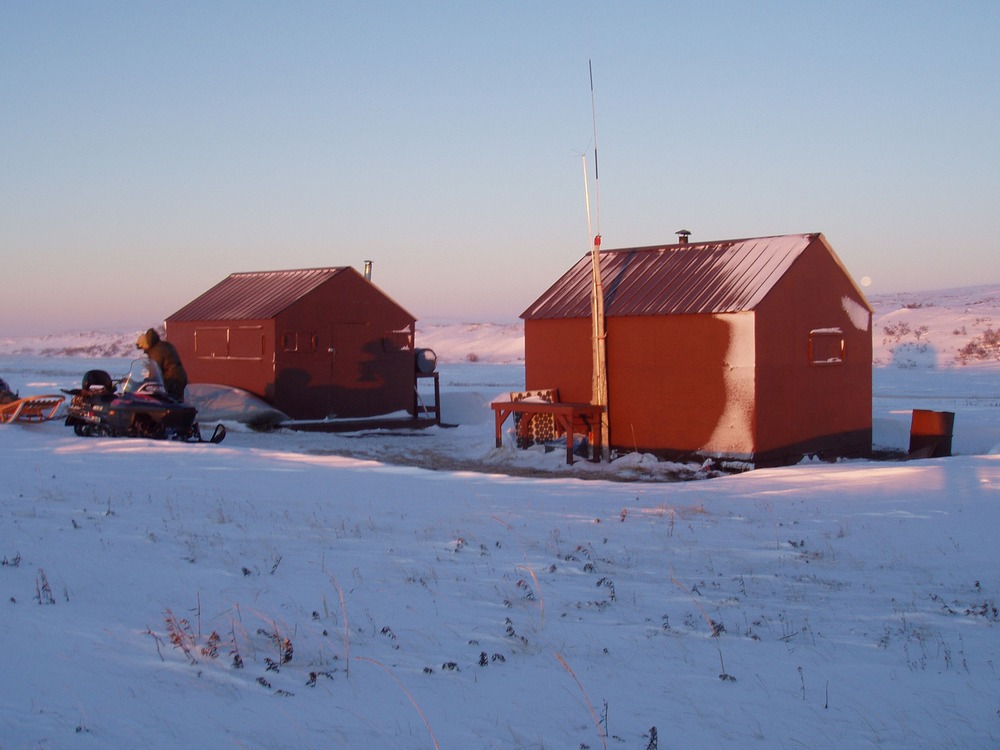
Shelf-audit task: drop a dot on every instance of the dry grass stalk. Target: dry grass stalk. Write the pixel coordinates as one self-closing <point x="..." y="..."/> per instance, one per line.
<point x="597" y="721"/>
<point x="408" y="695"/>
<point x="347" y="632"/>
<point x="538" y="588"/>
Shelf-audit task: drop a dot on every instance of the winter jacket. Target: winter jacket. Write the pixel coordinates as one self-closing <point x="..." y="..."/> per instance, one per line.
<point x="165" y="355"/>
<point x="6" y="394"/>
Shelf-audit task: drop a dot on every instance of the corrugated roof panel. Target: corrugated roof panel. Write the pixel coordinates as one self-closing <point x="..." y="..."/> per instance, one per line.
<point x="706" y="277"/>
<point x="762" y="263"/>
<point x="257" y="295"/>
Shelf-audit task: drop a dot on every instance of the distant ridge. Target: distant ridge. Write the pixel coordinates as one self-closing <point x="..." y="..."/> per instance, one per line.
<point x="910" y="329"/>
<point x="495" y="343"/>
<point x="73" y="344"/>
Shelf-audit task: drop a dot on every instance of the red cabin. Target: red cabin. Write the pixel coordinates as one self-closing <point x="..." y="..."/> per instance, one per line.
<point x="755" y="350"/>
<point x="315" y="343"/>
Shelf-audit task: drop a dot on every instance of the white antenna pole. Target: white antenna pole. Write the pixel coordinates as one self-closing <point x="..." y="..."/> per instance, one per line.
<point x="600" y="362"/>
<point x="597" y="170"/>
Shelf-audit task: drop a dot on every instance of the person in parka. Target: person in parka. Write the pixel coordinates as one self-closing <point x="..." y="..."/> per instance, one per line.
<point x="6" y="394"/>
<point x="166" y="357"/>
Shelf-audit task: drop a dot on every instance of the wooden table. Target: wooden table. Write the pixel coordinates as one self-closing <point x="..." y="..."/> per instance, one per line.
<point x="565" y="414"/>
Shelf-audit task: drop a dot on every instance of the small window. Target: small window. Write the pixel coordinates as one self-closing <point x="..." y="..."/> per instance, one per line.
<point x="826" y="346"/>
<point x="211" y="342"/>
<point x="246" y="342"/>
<point x="290" y="342"/>
<point x="395" y="341"/>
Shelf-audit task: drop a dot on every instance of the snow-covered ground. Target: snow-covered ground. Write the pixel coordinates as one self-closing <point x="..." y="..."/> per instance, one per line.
<point x="302" y="590"/>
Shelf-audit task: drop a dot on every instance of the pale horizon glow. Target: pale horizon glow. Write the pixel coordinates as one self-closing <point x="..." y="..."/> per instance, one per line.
<point x="148" y="151"/>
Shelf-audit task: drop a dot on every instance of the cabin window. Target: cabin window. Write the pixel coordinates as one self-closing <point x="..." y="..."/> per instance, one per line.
<point x="395" y="341"/>
<point x="222" y="342"/>
<point x="246" y="342"/>
<point x="211" y="342"/>
<point x="826" y="346"/>
<point x="292" y="341"/>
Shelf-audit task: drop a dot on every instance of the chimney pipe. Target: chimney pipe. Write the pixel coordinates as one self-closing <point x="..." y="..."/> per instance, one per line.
<point x="682" y="236"/>
<point x="368" y="270"/>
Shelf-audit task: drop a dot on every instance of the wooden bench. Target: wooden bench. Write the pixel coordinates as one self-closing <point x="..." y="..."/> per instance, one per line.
<point x="566" y="415"/>
<point x="31" y="409"/>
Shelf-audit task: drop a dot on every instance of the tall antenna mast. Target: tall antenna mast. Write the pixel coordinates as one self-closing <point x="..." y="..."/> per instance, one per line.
<point x="597" y="171"/>
<point x="600" y="361"/>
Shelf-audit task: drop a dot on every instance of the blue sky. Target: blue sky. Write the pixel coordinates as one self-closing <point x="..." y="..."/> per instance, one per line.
<point x="147" y="150"/>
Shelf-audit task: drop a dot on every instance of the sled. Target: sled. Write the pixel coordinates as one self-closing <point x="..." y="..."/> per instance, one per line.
<point x="30" y="409"/>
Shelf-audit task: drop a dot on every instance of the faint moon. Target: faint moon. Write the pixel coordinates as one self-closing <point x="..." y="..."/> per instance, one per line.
<point x="866" y="281"/>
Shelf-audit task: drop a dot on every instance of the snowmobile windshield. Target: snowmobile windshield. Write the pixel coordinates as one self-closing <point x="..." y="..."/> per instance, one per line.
<point x="144" y="377"/>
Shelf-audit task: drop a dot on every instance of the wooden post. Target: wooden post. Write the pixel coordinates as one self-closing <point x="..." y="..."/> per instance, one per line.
<point x="600" y="375"/>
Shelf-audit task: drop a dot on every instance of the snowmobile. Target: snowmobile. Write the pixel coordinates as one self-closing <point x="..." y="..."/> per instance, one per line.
<point x="136" y="406"/>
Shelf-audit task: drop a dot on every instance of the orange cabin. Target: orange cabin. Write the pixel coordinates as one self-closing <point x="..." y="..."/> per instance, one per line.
<point x="315" y="343"/>
<point x="756" y="350"/>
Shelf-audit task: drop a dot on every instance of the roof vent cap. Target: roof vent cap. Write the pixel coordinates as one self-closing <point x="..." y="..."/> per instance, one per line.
<point x="682" y="236"/>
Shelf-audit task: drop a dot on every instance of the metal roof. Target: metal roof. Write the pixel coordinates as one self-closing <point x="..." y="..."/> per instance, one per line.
<point x="257" y="295"/>
<point x="695" y="277"/>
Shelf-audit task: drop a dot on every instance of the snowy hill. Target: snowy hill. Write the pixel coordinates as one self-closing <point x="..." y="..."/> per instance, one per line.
<point x="928" y="329"/>
<point x="911" y="329"/>
<point x="473" y="342"/>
